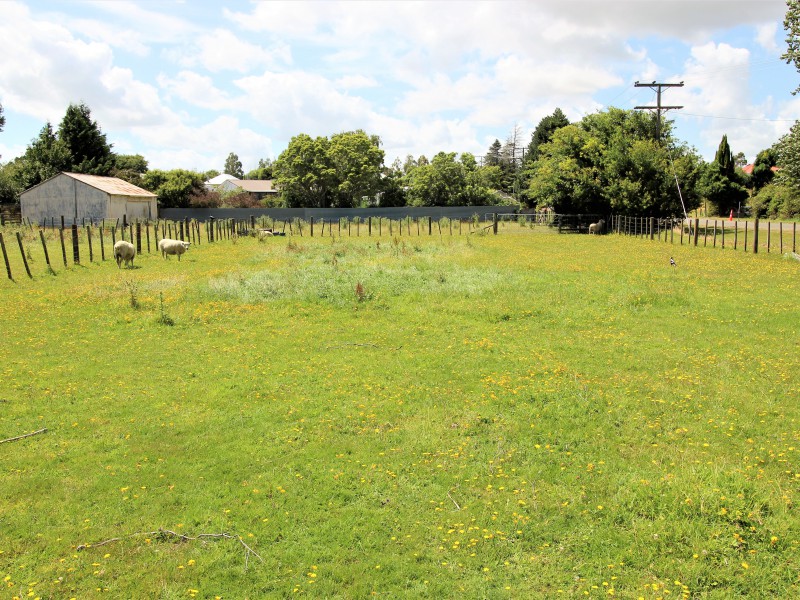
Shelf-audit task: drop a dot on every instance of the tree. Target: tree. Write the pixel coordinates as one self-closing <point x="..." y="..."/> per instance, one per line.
<point x="175" y="188"/>
<point x="447" y="182"/>
<point x="763" y="174"/>
<point x="89" y="152"/>
<point x="129" y="167"/>
<point x="10" y="187"/>
<point x="493" y="156"/>
<point x="323" y="172"/>
<point x="303" y="173"/>
<point x="612" y="161"/>
<point x="263" y="171"/>
<point x="791" y="23"/>
<point x="46" y="156"/>
<point x="544" y="133"/>
<point x="720" y="185"/>
<point x="740" y="160"/>
<point x="233" y="166"/>
<point x="788" y="148"/>
<point x="357" y="160"/>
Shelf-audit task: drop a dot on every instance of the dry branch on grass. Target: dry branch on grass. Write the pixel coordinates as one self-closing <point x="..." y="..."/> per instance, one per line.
<point x="164" y="534"/>
<point x="20" y="437"/>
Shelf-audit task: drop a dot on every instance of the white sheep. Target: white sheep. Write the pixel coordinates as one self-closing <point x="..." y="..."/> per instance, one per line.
<point x="597" y="227"/>
<point x="124" y="251"/>
<point x="168" y="246"/>
<point x="264" y="233"/>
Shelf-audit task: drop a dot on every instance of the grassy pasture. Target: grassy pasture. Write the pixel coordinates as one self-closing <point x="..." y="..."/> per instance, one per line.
<point x="513" y="416"/>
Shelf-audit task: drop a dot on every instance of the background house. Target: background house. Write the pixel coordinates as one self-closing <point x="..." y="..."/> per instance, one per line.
<point x="214" y="183"/>
<point x="258" y="188"/>
<point x="78" y="197"/>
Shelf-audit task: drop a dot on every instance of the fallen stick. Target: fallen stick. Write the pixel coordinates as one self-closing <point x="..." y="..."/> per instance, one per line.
<point x="20" y="437"/>
<point x="164" y="533"/>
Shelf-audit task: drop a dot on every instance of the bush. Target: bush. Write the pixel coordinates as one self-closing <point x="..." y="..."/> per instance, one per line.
<point x="775" y="201"/>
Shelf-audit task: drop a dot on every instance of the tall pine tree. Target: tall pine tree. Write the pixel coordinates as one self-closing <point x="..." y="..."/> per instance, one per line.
<point x="88" y="149"/>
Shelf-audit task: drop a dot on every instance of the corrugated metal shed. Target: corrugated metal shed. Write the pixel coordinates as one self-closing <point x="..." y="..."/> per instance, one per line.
<point x="112" y="185"/>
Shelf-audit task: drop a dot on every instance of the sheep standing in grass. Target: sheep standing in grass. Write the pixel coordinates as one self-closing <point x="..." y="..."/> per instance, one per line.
<point x="124" y="251"/>
<point x="168" y="246"/>
<point x="597" y="227"/>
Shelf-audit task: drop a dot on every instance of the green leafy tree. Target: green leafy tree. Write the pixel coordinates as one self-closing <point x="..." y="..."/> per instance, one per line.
<point x="762" y="168"/>
<point x="10" y="186"/>
<point x="304" y="174"/>
<point x="263" y="171"/>
<point x="544" y="133"/>
<point x="174" y="188"/>
<point x="720" y="185"/>
<point x="788" y="148"/>
<point x="493" y="157"/>
<point x="88" y="149"/>
<point x="791" y="23"/>
<point x="392" y="192"/>
<point x="46" y="156"/>
<point x="129" y="167"/>
<point x="447" y="182"/>
<point x="611" y="160"/>
<point x="357" y="161"/>
<point x="233" y="166"/>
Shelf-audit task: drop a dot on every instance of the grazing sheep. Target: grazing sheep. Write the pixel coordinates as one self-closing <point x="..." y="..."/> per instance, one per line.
<point x="597" y="227"/>
<point x="264" y="233"/>
<point x="168" y="246"/>
<point x="124" y="251"/>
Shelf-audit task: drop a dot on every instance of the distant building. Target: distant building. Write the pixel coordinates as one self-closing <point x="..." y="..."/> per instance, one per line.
<point x="79" y="198"/>
<point x="258" y="188"/>
<point x="214" y="183"/>
<point x="749" y="169"/>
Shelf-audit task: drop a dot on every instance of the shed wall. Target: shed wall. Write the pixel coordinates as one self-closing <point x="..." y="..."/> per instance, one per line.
<point x="63" y="195"/>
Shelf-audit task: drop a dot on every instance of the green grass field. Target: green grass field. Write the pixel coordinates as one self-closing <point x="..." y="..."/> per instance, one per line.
<point x="517" y="416"/>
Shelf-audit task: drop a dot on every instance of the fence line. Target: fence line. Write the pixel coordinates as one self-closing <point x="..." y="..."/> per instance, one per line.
<point x="84" y="237"/>
<point x="713" y="231"/>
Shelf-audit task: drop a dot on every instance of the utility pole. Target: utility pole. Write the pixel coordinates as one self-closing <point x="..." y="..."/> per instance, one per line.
<point x="659" y="108"/>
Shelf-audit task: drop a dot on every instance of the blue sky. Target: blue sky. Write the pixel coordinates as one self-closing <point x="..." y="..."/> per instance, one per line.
<point x="185" y="83"/>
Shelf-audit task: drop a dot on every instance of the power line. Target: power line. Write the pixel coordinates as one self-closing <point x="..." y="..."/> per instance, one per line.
<point x="741" y="118"/>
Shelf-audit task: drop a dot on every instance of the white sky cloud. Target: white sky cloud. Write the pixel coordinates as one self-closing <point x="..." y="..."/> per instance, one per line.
<point x="161" y="78"/>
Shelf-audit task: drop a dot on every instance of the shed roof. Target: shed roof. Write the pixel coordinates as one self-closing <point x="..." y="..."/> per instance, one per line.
<point x="112" y="185"/>
<point x="255" y="185"/>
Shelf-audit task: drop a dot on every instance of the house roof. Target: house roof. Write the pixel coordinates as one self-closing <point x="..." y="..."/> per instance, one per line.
<point x="256" y="185"/>
<point x="220" y="179"/>
<point x="749" y="169"/>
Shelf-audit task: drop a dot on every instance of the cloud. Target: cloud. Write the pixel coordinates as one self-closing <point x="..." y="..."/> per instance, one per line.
<point x="196" y="90"/>
<point x="221" y="50"/>
<point x="765" y="36"/>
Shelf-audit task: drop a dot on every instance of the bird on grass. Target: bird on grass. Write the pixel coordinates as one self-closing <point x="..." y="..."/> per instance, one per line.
<point x="672" y="262"/>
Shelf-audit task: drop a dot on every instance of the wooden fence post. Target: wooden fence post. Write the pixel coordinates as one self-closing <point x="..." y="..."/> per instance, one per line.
<point x="76" y="253"/>
<point x="138" y="237"/>
<point x="63" y="247"/>
<point x="102" y="245"/>
<point x="780" y="233"/>
<point x="24" y="258"/>
<point x="89" y="238"/>
<point x="735" y="234"/>
<point x="494" y="223"/>
<point x="46" y="254"/>
<point x="5" y="256"/>
<point x="715" y="234"/>
<point x="696" y="230"/>
<point x="769" y="234"/>
<point x="755" y="236"/>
